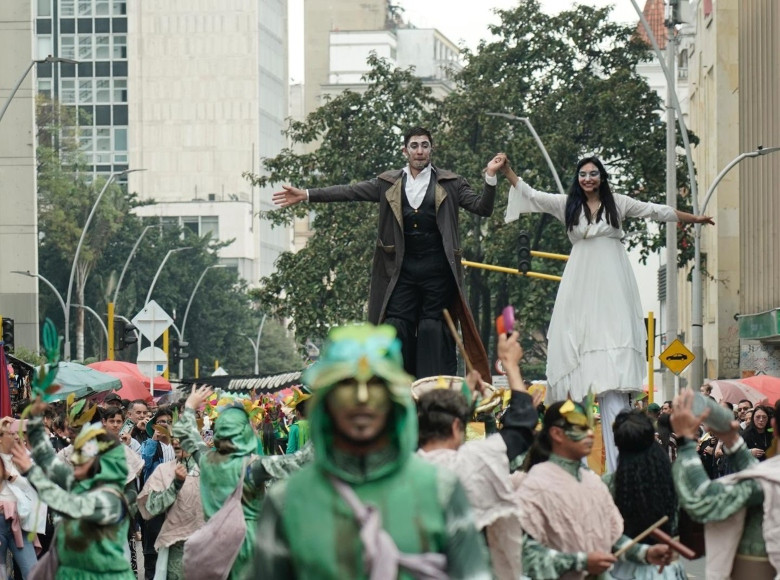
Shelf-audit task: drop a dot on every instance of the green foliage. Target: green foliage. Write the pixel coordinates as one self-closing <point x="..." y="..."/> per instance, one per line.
<point x="573" y="75"/>
<point x="221" y="309"/>
<point x="361" y="135"/>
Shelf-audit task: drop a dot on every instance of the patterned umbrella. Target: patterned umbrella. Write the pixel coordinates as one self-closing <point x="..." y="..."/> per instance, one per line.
<point x="734" y="391"/>
<point x="766" y="384"/>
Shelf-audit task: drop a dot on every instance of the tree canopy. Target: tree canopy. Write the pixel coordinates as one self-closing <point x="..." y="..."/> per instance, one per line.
<point x="573" y="75"/>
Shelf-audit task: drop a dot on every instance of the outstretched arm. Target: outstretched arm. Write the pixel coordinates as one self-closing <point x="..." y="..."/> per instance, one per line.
<point x="690" y="218"/>
<point x="289" y="196"/>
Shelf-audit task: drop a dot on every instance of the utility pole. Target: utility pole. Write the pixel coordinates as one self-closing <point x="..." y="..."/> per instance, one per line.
<point x="672" y="324"/>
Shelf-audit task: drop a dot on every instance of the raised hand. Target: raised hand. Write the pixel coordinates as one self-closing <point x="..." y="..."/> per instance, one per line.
<point x="496" y="164"/>
<point x="198" y="396"/>
<point x="684" y="422"/>
<point x="289" y="196"/>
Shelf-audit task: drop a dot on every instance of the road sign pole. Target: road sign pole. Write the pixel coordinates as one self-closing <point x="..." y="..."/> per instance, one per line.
<point x="650" y="357"/>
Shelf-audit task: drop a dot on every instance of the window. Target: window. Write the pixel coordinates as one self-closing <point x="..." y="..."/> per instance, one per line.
<point x="120" y="90"/>
<point x="44" y="8"/>
<point x="44" y="46"/>
<point x="102" y="47"/>
<point x="102" y="7"/>
<point x="67" y="8"/>
<point x="102" y="90"/>
<point x="120" y="144"/>
<point x="120" y="7"/>
<point x="68" y="46"/>
<point x="68" y="91"/>
<point x="191" y="223"/>
<point x="85" y="47"/>
<point x="120" y="46"/>
<point x="102" y="145"/>
<point x="85" y="7"/>
<point x="44" y="88"/>
<point x="85" y="92"/>
<point x="209" y="225"/>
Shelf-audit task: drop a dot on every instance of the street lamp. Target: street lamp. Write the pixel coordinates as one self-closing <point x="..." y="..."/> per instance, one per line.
<point x="538" y="142"/>
<point x="49" y="58"/>
<point x="697" y="296"/>
<point x="157" y="274"/>
<point x="256" y="345"/>
<point x="49" y="284"/>
<point x="189" y="303"/>
<point x="78" y="250"/>
<point x="127" y="262"/>
<point x="96" y="315"/>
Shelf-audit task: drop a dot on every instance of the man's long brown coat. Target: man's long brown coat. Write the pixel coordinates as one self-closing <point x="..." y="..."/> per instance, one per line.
<point x="451" y="193"/>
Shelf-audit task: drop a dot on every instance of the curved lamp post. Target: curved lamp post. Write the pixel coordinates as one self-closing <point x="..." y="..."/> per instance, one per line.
<point x="78" y="250"/>
<point x="538" y="142"/>
<point x="697" y="291"/>
<point x="159" y="269"/>
<point x="127" y="262"/>
<point x="45" y="281"/>
<point x="187" y="310"/>
<point x="49" y="58"/>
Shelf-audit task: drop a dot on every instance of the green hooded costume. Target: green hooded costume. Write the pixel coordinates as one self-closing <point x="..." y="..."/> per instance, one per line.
<point x="220" y="472"/>
<point x="91" y="539"/>
<point x="308" y="531"/>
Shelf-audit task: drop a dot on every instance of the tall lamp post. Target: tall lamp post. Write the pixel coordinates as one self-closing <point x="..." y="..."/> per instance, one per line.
<point x="159" y="269"/>
<point x="256" y="345"/>
<point x="697" y="296"/>
<point x="78" y="250"/>
<point x="187" y="310"/>
<point x="49" y="284"/>
<point x="49" y="58"/>
<point x="127" y="262"/>
<point x="538" y="140"/>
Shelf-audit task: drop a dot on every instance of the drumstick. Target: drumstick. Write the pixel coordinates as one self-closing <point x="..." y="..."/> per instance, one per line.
<point x="678" y="547"/>
<point x="641" y="536"/>
<point x="458" y="341"/>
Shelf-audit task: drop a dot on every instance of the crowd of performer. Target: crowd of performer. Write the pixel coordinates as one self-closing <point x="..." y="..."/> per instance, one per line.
<point x="358" y="475"/>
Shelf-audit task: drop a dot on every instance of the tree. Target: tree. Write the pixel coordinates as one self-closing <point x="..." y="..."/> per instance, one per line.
<point x="66" y="195"/>
<point x="574" y="76"/>
<point x="326" y="283"/>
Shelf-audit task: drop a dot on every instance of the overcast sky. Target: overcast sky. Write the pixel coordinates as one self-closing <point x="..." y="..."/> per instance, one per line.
<point x="467" y="23"/>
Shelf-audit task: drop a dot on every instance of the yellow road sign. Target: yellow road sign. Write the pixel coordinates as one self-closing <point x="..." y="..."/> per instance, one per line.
<point x="676" y="357"/>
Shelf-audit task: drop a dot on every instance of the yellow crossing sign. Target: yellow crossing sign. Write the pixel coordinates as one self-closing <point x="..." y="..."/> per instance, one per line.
<point x="676" y="357"/>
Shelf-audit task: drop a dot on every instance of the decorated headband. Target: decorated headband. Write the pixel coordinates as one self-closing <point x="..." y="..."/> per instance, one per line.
<point x="86" y="446"/>
<point x="296" y="398"/>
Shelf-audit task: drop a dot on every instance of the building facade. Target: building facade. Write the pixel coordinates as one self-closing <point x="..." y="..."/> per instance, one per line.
<point x="759" y="201"/>
<point x="714" y="95"/>
<point x="194" y="93"/>
<point x="18" y="199"/>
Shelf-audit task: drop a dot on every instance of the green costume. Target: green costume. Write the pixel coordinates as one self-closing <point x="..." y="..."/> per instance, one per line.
<point x="708" y="500"/>
<point x="91" y="539"/>
<point x="308" y="531"/>
<point x="299" y="435"/>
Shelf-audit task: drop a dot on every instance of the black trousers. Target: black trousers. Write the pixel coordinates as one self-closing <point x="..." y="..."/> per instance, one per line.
<point x="424" y="289"/>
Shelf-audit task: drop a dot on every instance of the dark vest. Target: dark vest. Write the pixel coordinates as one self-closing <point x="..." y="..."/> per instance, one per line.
<point x="421" y="232"/>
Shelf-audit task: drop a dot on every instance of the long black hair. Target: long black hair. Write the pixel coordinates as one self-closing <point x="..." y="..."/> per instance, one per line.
<point x="577" y="199"/>
<point x="542" y="446"/>
<point x="644" y="489"/>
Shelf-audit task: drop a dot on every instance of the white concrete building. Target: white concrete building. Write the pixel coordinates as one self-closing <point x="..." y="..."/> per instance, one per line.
<point x="207" y="100"/>
<point x="434" y="57"/>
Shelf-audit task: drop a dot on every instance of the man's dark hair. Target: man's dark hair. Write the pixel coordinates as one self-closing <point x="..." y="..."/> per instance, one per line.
<point x="745" y="401"/>
<point x="436" y="412"/>
<point x="729" y="405"/>
<point x="416" y="132"/>
<point x="109" y="412"/>
<point x="667" y="403"/>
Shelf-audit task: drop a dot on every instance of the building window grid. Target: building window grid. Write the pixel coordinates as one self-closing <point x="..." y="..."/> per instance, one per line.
<point x="103" y="91"/>
<point x="84" y="8"/>
<point x="94" y="46"/>
<point x="99" y="145"/>
<point x="198" y="225"/>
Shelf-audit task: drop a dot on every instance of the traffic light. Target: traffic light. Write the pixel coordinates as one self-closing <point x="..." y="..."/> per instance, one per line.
<point x="524" y="252"/>
<point x="124" y="334"/>
<point x="177" y="351"/>
<point x="8" y="334"/>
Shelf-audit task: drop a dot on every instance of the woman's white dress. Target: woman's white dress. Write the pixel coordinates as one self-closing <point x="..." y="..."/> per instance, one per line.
<point x="596" y="338"/>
